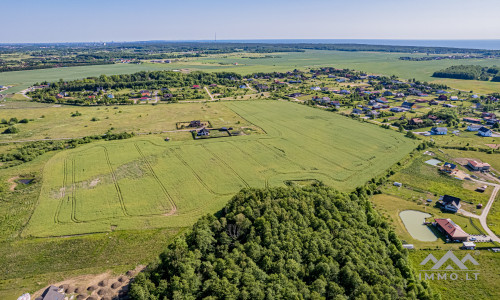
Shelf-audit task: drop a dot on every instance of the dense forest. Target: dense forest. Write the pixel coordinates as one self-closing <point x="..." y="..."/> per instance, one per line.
<point x="285" y="243"/>
<point x="468" y="72"/>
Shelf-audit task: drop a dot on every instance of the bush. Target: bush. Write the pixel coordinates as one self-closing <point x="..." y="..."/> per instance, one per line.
<point x="94" y="119"/>
<point x="11" y="130"/>
<point x="24" y="121"/>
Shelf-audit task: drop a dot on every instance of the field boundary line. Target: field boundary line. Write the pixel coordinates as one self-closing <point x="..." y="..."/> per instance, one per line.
<point x="173" y="208"/>
<point x="115" y="181"/>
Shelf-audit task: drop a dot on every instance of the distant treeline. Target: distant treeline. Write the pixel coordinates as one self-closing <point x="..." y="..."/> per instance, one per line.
<point x="158" y="47"/>
<point x="469" y="72"/>
<point x="428" y="58"/>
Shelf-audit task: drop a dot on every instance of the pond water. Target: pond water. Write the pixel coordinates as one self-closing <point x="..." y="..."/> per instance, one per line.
<point x="25" y="181"/>
<point x="413" y="221"/>
<point x="433" y="162"/>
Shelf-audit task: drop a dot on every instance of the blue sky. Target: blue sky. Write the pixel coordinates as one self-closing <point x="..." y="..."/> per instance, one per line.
<point x="127" y="20"/>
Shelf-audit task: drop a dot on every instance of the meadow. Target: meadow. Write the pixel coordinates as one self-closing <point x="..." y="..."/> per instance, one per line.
<point x="372" y="62"/>
<point x="145" y="182"/>
<point x="56" y="121"/>
<point x="424" y="177"/>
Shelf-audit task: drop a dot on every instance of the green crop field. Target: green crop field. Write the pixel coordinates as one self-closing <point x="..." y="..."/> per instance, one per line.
<point x="145" y="182"/>
<point x="372" y="62"/>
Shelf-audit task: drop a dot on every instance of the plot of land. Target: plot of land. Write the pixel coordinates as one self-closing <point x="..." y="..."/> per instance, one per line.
<point x="148" y="183"/>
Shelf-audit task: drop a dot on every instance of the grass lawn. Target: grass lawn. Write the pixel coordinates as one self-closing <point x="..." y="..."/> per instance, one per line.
<point x="424" y="177"/>
<point x="51" y="121"/>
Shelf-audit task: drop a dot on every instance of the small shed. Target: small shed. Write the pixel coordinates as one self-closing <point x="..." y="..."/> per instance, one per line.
<point x="408" y="246"/>
<point x="398" y="184"/>
<point x="469" y="246"/>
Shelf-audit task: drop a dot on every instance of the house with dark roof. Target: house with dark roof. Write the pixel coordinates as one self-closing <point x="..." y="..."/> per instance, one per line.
<point x="196" y="123"/>
<point x="203" y="132"/>
<point x="450" y="203"/>
<point x="52" y="293"/>
<point x="448" y="168"/>
<point x="443" y="97"/>
<point x="407" y="105"/>
<point x="397" y="109"/>
<point x="451" y="230"/>
<point x="439" y="130"/>
<point x="483" y="131"/>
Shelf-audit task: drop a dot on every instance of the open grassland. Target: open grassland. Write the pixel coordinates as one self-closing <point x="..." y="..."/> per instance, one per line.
<point x="426" y="178"/>
<point x="372" y="62"/>
<point x="148" y="183"/>
<point x="54" y="122"/>
<point x="486" y="285"/>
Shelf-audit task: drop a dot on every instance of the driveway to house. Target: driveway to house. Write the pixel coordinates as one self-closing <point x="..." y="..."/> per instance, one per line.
<point x="484" y="215"/>
<point x="250" y="88"/>
<point x="208" y="92"/>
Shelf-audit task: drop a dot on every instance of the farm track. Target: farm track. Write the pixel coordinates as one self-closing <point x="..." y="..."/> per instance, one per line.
<point x="226" y="164"/>
<point x="173" y="207"/>
<point x="115" y="181"/>
<point x="179" y="157"/>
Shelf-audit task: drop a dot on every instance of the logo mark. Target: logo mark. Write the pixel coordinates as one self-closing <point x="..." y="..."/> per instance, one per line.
<point x="447" y="257"/>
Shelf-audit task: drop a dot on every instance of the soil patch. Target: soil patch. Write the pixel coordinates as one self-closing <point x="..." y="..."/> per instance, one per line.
<point x="13" y="183"/>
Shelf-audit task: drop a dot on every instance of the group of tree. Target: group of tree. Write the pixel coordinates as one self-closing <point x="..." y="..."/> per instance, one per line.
<point x="285" y="243"/>
<point x="29" y="151"/>
<point x="93" y="87"/>
<point x="469" y="72"/>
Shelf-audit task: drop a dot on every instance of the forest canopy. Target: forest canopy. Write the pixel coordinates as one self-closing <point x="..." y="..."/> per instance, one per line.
<point x="285" y="243"/>
<point x="468" y="72"/>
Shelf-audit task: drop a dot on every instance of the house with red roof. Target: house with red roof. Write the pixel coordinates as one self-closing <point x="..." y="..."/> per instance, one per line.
<point x="451" y="230"/>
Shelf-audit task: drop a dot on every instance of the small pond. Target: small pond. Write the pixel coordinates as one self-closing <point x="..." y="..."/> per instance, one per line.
<point x="414" y="223"/>
<point x="433" y="162"/>
<point x="25" y="181"/>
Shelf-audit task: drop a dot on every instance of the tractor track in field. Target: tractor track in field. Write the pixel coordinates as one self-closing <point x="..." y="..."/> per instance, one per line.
<point x="225" y="164"/>
<point x="59" y="205"/>
<point x="266" y="182"/>
<point x="173" y="208"/>
<point x="200" y="180"/>
<point x="115" y="181"/>
<point x="73" y="192"/>
<point x="282" y="155"/>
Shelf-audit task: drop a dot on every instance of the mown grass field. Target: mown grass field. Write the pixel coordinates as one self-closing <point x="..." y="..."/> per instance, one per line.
<point x="372" y="62"/>
<point x="148" y="183"/>
<point x="54" y="122"/>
